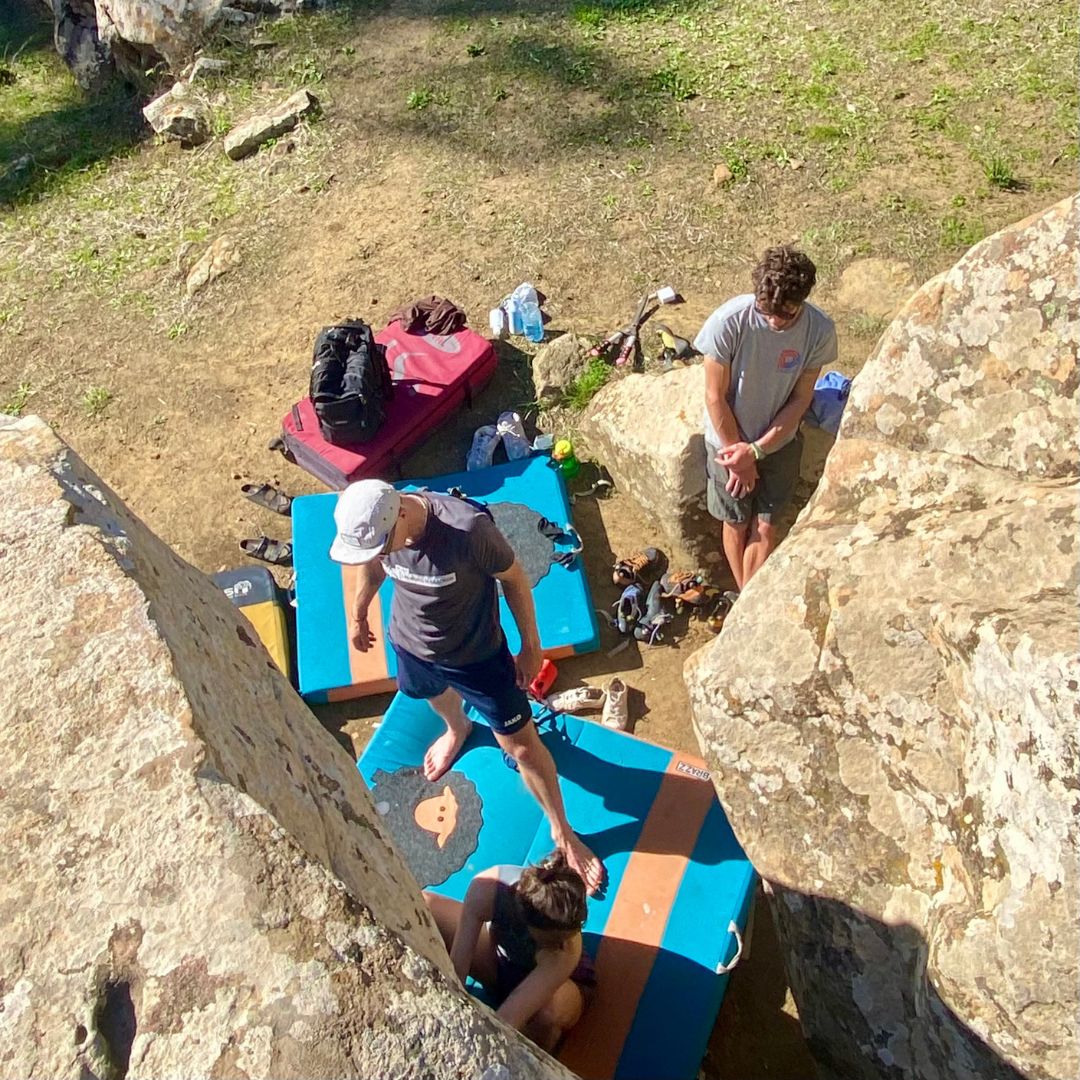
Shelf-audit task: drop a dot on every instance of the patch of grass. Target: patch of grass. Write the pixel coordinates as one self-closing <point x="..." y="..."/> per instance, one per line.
<point x="917" y="46"/>
<point x="824" y="133"/>
<point x="584" y="388"/>
<point x="589" y="16"/>
<point x="999" y="173"/>
<point x="306" y="71"/>
<point x="958" y="232"/>
<point x="935" y="115"/>
<point x="867" y="325"/>
<point x="177" y="330"/>
<point x="419" y="99"/>
<point x="15" y="402"/>
<point x="96" y="400"/>
<point x="674" y="80"/>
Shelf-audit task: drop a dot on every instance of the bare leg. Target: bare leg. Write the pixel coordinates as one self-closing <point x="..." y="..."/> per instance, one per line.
<point x="759" y="546"/>
<point x="557" y="1017"/>
<point x="538" y="771"/>
<point x="447" y="914"/>
<point x="441" y="753"/>
<point x="734" y="538"/>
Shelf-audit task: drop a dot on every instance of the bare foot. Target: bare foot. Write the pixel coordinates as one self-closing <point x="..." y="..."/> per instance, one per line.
<point x="584" y="862"/>
<point x="444" y="749"/>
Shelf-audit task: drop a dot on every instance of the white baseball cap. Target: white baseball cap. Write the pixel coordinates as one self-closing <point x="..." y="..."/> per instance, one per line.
<point x="365" y="515"/>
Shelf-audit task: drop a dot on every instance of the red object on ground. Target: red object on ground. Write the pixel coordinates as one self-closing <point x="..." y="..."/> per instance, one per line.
<point x="433" y="374"/>
<point x="544" y="681"/>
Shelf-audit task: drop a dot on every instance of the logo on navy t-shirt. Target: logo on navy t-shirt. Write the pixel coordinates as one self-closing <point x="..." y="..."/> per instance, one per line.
<point x="788" y="360"/>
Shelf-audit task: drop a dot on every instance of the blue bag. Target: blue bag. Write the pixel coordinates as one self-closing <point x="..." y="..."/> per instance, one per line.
<point x="830" y="395"/>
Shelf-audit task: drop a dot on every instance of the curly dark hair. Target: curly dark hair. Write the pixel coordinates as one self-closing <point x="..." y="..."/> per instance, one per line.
<point x="552" y="895"/>
<point x="782" y="278"/>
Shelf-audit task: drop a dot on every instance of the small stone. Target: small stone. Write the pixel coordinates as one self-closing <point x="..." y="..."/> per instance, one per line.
<point x="220" y="257"/>
<point x="722" y="174"/>
<point x="179" y="115"/>
<point x="247" y="137"/>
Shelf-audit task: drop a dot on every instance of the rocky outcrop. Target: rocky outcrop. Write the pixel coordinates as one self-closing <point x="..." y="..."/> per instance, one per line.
<point x="195" y="881"/>
<point x="93" y="36"/>
<point x="891" y="709"/>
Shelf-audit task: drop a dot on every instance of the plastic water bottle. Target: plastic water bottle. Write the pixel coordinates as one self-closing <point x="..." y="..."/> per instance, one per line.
<point x="514" y="316"/>
<point x="563" y="453"/>
<point x="532" y="321"/>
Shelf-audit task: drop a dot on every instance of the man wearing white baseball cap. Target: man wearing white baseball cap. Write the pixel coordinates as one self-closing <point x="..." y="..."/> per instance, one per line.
<point x="445" y="555"/>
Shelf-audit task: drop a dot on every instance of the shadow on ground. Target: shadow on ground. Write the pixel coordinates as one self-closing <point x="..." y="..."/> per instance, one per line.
<point x="41" y="146"/>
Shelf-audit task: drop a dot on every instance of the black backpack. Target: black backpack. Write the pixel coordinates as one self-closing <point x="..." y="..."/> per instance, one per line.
<point x="350" y="383"/>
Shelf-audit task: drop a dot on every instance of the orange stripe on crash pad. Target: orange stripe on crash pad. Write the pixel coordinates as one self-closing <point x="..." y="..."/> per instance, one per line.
<point x="639" y="917"/>
<point x="364" y="667"/>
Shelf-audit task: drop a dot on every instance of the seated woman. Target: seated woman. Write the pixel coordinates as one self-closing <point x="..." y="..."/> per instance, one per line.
<point x="518" y="933"/>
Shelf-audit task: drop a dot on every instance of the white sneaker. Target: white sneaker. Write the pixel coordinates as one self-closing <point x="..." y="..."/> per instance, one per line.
<point x="577" y="698"/>
<point x="482" y="451"/>
<point x="615" y="713"/>
<point x="512" y="433"/>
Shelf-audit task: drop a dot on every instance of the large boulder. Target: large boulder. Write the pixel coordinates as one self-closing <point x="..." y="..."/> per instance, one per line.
<point x="93" y="36"/>
<point x="891" y="709"/>
<point x="195" y="880"/>
<point x="647" y="429"/>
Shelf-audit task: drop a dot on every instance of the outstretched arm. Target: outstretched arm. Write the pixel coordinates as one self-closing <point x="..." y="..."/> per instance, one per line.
<point x="370" y="576"/>
<point x="519" y="599"/>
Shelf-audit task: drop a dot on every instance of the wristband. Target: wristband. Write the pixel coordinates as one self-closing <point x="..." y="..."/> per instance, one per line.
<point x="756" y="451"/>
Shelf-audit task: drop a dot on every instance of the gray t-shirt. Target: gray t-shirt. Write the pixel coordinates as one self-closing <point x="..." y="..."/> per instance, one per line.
<point x="765" y="363"/>
<point x="446" y="606"/>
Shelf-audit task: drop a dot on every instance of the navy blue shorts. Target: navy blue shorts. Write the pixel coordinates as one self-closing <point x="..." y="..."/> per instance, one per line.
<point x="489" y="686"/>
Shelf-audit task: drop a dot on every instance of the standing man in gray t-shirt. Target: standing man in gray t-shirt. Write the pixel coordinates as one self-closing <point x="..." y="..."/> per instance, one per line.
<point x="763" y="352"/>
<point x="445" y="556"/>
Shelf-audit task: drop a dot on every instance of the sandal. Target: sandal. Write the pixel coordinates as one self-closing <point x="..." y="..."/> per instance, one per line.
<point x="275" y="552"/>
<point x="656" y="617"/>
<point x="641" y="564"/>
<point x="562" y="534"/>
<point x="269" y="497"/>
<point x="628" y="608"/>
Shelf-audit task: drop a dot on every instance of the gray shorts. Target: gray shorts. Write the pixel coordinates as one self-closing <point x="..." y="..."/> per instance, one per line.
<point x="777" y="475"/>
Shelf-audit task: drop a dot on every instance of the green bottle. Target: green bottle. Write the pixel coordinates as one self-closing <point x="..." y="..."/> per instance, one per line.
<point x="563" y="453"/>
